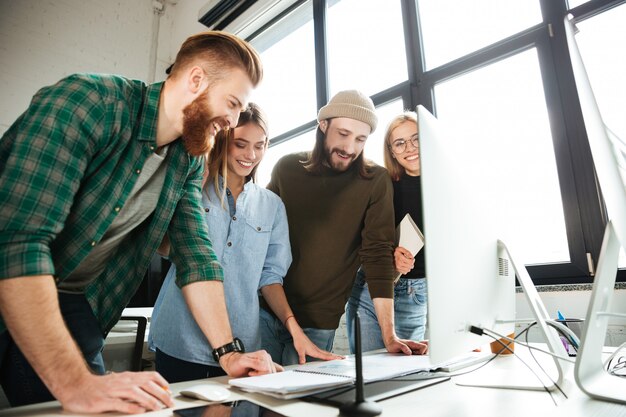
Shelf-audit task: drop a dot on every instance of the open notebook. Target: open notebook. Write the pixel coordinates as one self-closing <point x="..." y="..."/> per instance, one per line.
<point x="315" y="377"/>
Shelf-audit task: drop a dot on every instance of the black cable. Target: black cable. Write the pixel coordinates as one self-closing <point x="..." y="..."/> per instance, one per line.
<point x="497" y="338"/>
<point x="539" y="365"/>
<point x="525" y="331"/>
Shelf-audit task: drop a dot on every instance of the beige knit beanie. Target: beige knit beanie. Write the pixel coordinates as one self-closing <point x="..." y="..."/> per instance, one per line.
<point x="351" y="104"/>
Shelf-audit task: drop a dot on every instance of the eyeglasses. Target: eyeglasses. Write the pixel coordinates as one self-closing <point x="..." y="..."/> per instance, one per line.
<point x="398" y="146"/>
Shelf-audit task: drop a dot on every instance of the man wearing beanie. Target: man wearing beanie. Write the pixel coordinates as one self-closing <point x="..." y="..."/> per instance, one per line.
<point x="340" y="213"/>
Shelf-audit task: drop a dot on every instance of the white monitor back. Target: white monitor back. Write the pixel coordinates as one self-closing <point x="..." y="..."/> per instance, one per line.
<point x="468" y="283"/>
<point x="608" y="153"/>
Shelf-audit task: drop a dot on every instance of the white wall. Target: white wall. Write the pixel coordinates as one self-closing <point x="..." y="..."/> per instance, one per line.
<point x="573" y="304"/>
<point x="42" y="41"/>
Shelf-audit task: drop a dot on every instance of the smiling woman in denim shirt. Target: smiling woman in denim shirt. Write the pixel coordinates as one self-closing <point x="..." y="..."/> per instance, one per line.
<point x="250" y="236"/>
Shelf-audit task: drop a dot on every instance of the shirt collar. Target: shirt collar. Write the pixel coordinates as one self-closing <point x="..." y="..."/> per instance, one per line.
<point x="246" y="185"/>
<point x="150" y="113"/>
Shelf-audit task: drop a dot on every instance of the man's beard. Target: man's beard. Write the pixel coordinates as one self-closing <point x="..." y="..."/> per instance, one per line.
<point x="197" y="123"/>
<point x="338" y="167"/>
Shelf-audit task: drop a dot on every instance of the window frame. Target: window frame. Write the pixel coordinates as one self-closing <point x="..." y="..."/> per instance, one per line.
<point x="584" y="210"/>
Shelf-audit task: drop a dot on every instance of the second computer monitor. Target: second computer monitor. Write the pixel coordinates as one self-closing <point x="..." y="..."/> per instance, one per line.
<point x="470" y="279"/>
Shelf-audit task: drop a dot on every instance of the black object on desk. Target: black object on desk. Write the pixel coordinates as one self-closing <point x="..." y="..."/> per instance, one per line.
<point x="360" y="407"/>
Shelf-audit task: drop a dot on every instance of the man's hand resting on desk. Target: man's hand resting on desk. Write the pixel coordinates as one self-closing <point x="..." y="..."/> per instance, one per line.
<point x="124" y="392"/>
<point x="238" y="364"/>
<point x="408" y="347"/>
<point x="305" y="348"/>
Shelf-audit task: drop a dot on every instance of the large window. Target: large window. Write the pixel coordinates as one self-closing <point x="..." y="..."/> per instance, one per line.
<point x="452" y="28"/>
<point x="497" y="70"/>
<point x="500" y="115"/>
<point x="367" y="49"/>
<point x="287" y="93"/>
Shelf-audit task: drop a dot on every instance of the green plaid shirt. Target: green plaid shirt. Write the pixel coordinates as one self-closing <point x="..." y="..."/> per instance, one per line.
<point x="68" y="164"/>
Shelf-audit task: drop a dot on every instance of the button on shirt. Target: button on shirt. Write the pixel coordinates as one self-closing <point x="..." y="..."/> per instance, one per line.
<point x="252" y="244"/>
<point x="68" y="162"/>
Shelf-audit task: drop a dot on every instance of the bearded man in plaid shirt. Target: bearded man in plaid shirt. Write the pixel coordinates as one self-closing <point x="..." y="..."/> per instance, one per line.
<point x="93" y="175"/>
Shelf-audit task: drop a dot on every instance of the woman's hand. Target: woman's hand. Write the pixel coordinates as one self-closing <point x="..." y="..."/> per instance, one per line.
<point x="403" y="259"/>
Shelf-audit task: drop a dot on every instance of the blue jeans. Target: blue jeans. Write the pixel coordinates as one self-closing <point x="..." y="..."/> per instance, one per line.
<point x="20" y="382"/>
<point x="277" y="341"/>
<point x="410" y="297"/>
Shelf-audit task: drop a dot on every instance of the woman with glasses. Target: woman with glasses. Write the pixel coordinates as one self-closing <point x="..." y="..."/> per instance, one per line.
<point x="402" y="160"/>
<point x="249" y="233"/>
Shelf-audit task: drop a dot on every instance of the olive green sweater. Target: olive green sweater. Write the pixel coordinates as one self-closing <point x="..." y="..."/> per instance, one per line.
<point x="337" y="221"/>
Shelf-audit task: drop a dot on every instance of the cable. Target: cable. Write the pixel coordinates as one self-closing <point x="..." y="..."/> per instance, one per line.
<point x="508" y="339"/>
<point x="621" y="362"/>
<point x="497" y="339"/>
<point x="539" y="365"/>
<point x="565" y="331"/>
<point x="500" y="337"/>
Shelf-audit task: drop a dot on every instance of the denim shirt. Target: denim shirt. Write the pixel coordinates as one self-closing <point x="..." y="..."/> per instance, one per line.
<point x="251" y="242"/>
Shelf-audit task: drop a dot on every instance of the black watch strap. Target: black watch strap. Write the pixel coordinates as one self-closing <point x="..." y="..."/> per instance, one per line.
<point x="235" y="346"/>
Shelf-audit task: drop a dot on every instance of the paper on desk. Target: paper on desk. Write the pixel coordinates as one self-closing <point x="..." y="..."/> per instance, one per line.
<point x="321" y="375"/>
<point x="376" y="367"/>
<point x="290" y="382"/>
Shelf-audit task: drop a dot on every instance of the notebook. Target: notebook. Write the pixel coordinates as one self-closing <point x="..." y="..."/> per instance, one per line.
<point x="320" y="376"/>
<point x="409" y="236"/>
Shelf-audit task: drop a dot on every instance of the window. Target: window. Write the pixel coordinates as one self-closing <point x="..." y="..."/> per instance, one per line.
<point x="367" y="50"/>
<point x="300" y="143"/>
<point x="601" y="41"/>
<point x="500" y="111"/>
<point x="493" y="68"/>
<point x="452" y="28"/>
<point x="287" y="93"/>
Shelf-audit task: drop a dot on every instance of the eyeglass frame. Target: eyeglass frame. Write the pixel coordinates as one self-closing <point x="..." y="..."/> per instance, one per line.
<point x="414" y="139"/>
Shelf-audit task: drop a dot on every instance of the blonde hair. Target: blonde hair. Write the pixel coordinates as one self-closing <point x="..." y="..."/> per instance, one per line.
<point x="391" y="163"/>
<point x="217" y="159"/>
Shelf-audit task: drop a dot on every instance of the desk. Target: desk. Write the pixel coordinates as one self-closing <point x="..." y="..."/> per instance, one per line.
<point x="446" y="399"/>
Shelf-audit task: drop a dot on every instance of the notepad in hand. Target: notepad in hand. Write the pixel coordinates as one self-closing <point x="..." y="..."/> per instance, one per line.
<point x="410" y="236"/>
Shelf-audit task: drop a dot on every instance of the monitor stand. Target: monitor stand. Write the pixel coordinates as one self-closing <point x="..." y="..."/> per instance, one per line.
<point x="589" y="371"/>
<point x="494" y="378"/>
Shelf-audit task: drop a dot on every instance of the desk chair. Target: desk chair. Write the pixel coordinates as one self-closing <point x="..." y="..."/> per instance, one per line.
<point x="136" y="363"/>
<point x="124" y="346"/>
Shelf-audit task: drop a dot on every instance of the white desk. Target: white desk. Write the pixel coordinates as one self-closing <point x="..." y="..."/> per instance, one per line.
<point x="441" y="400"/>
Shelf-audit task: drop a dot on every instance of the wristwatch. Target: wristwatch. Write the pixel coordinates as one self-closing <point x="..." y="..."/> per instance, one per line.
<point x="235" y="346"/>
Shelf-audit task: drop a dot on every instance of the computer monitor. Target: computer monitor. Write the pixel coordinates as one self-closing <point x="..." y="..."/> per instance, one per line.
<point x="608" y="153"/>
<point x="470" y="272"/>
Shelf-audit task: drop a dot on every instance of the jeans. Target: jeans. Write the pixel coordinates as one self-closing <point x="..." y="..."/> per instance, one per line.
<point x="178" y="370"/>
<point x="19" y="380"/>
<point x="410" y="298"/>
<point x="277" y="341"/>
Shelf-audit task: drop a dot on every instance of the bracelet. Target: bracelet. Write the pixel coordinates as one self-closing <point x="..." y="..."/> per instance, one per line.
<point x="288" y="317"/>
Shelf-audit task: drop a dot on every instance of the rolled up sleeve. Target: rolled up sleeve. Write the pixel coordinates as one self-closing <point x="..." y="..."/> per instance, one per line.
<point x="191" y="249"/>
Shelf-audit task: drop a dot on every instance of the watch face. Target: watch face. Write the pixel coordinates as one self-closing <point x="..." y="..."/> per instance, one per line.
<point x="238" y="345"/>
